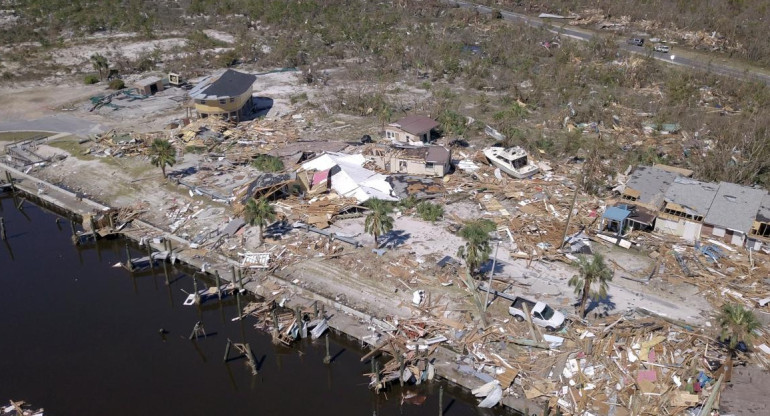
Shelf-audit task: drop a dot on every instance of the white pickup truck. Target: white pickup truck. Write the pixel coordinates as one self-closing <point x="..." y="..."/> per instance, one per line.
<point x="542" y="314"/>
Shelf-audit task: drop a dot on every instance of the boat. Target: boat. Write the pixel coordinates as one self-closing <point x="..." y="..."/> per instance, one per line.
<point x="513" y="161"/>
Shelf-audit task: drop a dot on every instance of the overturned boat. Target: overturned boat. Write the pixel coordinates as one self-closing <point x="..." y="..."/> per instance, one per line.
<point x="513" y="161"/>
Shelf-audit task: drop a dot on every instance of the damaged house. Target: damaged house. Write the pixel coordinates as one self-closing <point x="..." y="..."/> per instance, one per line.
<point x="686" y="203"/>
<point x="413" y="130"/>
<point x="644" y="195"/>
<point x="733" y="212"/>
<point x="345" y="175"/>
<point x="760" y="231"/>
<point x="423" y="160"/>
<point x="226" y="95"/>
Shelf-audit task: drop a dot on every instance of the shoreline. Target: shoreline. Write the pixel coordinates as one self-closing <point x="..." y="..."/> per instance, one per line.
<point x="350" y="322"/>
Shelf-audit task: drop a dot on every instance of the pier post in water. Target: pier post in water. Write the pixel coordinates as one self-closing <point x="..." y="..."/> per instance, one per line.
<point x="165" y="273"/>
<point x="149" y="255"/>
<point x="129" y="263"/>
<point x="240" y="280"/>
<point x="402" y="366"/>
<point x="227" y="350"/>
<point x="74" y="232"/>
<point x="238" y="304"/>
<point x="328" y="357"/>
<point x="2" y="228"/>
<point x="315" y="308"/>
<point x="441" y="401"/>
<point x="219" y="291"/>
<point x="232" y="271"/>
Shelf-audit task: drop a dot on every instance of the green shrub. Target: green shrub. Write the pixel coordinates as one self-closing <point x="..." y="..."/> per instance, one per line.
<point x="117" y="84"/>
<point x="91" y="79"/>
<point x="429" y="211"/>
<point x="267" y="163"/>
<point x="408" y="202"/>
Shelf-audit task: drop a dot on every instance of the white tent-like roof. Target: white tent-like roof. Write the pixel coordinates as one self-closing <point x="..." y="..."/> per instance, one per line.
<point x="352" y="179"/>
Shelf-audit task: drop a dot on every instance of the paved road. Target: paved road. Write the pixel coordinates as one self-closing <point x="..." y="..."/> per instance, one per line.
<point x="704" y="64"/>
<point x="55" y="123"/>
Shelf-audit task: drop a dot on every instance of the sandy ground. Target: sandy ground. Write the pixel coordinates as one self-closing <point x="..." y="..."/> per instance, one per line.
<point x="420" y="240"/>
<point x="746" y="395"/>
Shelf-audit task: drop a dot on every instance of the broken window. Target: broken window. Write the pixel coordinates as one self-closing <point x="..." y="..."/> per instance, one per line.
<point x="202" y="101"/>
<point x="223" y="101"/>
<point x="429" y="165"/>
<point x="232" y="99"/>
<point x="762" y="231"/>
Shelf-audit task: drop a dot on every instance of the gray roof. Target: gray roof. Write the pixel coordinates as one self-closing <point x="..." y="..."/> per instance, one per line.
<point x="764" y="210"/>
<point x="694" y="196"/>
<point x="148" y="81"/>
<point x="228" y="84"/>
<point x="735" y="207"/>
<point x="651" y="183"/>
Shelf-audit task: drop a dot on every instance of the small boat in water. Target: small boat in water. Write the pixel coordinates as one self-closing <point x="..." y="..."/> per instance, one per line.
<point x="513" y="161"/>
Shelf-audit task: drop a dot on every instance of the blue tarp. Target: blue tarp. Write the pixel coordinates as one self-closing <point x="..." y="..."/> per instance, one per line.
<point x="616" y="214"/>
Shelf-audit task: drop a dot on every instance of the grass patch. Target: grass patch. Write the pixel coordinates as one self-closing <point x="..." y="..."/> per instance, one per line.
<point x="12" y="136"/>
<point x="71" y="146"/>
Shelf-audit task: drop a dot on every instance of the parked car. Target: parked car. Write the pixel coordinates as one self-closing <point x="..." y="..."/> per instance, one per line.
<point x="542" y="314"/>
<point x="661" y="48"/>
<point x="636" y="41"/>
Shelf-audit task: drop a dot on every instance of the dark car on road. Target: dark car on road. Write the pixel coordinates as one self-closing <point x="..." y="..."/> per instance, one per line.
<point x="636" y="41"/>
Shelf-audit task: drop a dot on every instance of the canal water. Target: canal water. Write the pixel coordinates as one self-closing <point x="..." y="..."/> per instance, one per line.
<point x="81" y="337"/>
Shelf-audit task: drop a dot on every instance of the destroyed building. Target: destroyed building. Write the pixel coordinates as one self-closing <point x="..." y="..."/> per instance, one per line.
<point x="760" y="230"/>
<point x="414" y="130"/>
<point x="346" y="175"/>
<point x="227" y="95"/>
<point x="687" y="202"/>
<point x="732" y="213"/>
<point x="149" y="85"/>
<point x="423" y="160"/>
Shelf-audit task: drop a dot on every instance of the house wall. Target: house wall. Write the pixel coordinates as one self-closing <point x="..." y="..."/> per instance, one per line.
<point x="402" y="136"/>
<point x="147" y="89"/>
<point x="215" y="107"/>
<point x="394" y="164"/>
<point x="680" y="227"/>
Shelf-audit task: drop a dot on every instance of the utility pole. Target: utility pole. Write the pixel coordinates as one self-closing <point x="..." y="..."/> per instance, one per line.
<point x="491" y="274"/>
<point x="572" y="208"/>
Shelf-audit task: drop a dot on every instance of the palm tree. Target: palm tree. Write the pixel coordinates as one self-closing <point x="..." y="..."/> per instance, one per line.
<point x="100" y="64"/>
<point x="162" y="154"/>
<point x="476" y="250"/>
<point x="738" y="324"/>
<point x="378" y="221"/>
<point x="258" y="212"/>
<point x="592" y="272"/>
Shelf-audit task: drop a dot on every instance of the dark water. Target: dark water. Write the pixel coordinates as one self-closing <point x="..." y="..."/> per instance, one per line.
<point x="79" y="337"/>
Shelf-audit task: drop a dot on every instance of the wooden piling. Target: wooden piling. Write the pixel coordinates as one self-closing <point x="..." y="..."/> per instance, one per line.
<point x="2" y="228"/>
<point x="328" y="357"/>
<point x="402" y="366"/>
<point x="227" y="350"/>
<point x="240" y="279"/>
<point x="129" y="263"/>
<point x="440" y="400"/>
<point x="238" y="303"/>
<point x="315" y="308"/>
<point x="195" y="290"/>
<point x="165" y="273"/>
<point x="232" y="271"/>
<point x="149" y="255"/>
<point x="74" y="232"/>
<point x="219" y="291"/>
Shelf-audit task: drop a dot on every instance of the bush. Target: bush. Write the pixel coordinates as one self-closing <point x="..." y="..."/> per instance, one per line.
<point x="267" y="163"/>
<point x="117" y="84"/>
<point x="91" y="79"/>
<point x="408" y="202"/>
<point x="430" y="212"/>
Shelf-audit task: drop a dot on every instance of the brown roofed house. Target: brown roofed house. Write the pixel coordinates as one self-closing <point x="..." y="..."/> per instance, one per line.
<point x="411" y="129"/>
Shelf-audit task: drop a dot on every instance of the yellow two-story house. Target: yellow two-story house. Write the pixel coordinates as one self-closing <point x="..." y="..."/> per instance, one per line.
<point x="226" y="95"/>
